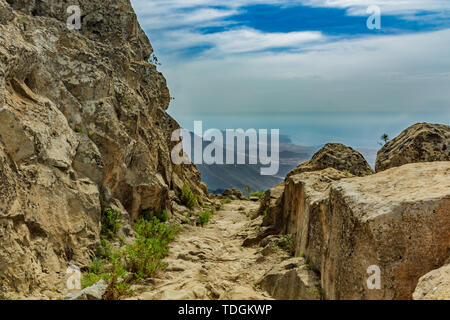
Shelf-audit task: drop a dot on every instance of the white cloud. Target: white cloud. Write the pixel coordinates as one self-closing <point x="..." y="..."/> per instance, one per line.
<point x="241" y="40"/>
<point x="403" y="72"/>
<point x="359" y="7"/>
<point x="390" y="73"/>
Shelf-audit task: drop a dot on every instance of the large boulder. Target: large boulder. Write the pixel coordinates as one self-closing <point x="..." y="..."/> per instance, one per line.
<point x="397" y="220"/>
<point x="435" y="285"/>
<point x="422" y="142"/>
<point x="337" y="156"/>
<point x="346" y="226"/>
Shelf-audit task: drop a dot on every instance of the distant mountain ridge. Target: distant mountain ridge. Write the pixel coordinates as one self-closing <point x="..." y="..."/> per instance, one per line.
<point x="239" y="176"/>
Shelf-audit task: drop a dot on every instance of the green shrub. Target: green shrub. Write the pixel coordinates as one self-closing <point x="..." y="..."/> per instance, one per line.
<point x="287" y="243"/>
<point x="162" y="216"/>
<point x="96" y="266"/>
<point x="117" y="283"/>
<point x="89" y="279"/>
<point x="144" y="256"/>
<point x="259" y="194"/>
<point x="204" y="217"/>
<point x="226" y="200"/>
<point x="148" y="215"/>
<point x="188" y="198"/>
<point x="104" y="250"/>
<point x="142" y="259"/>
<point x="110" y="223"/>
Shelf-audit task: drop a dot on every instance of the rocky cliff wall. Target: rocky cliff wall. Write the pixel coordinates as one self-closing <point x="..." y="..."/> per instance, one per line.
<point x="82" y="124"/>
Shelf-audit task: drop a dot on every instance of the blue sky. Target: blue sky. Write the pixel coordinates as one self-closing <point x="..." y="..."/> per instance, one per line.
<point x="302" y="56"/>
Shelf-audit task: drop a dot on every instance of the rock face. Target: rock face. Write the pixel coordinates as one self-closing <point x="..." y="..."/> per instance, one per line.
<point x="397" y="220"/>
<point x="82" y="118"/>
<point x="306" y="213"/>
<point x="271" y="206"/>
<point x="435" y="285"/>
<point x="292" y="280"/>
<point x="337" y="156"/>
<point x="422" y="142"/>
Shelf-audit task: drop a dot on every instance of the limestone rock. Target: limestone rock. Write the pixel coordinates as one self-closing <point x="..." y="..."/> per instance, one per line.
<point x="306" y="212"/>
<point x="337" y="156"/>
<point x="397" y="220"/>
<point x="292" y="280"/>
<point x="435" y="285"/>
<point x="422" y="142"/>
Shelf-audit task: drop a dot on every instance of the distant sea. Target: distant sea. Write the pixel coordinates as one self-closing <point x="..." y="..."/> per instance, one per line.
<point x="359" y="130"/>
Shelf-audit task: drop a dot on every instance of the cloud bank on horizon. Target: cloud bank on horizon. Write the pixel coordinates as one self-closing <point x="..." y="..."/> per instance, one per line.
<point x="301" y="55"/>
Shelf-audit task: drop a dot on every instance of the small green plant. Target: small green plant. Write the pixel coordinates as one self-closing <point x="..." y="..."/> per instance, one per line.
<point x="204" y="217"/>
<point x="140" y="260"/>
<point x="96" y="266"/>
<point x="118" y="285"/>
<point x="319" y="292"/>
<point x="287" y="243"/>
<point x="311" y="266"/>
<point x="226" y="200"/>
<point x="127" y="104"/>
<point x="258" y="194"/>
<point x="162" y="216"/>
<point x="188" y="198"/>
<point x="104" y="250"/>
<point x="144" y="256"/>
<point x="89" y="280"/>
<point x="110" y="223"/>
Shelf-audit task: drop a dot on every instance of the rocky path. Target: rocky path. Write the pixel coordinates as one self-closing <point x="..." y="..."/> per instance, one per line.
<point x="210" y="262"/>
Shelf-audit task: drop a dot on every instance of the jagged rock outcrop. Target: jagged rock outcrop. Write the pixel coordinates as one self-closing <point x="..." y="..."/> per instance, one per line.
<point x="292" y="280"/>
<point x="397" y="220"/>
<point x="233" y="194"/>
<point x="435" y="285"/>
<point x="337" y="156"/>
<point x="422" y="142"/>
<point x="82" y="125"/>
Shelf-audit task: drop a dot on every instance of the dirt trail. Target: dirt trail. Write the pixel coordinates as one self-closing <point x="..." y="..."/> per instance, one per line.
<point x="210" y="262"/>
